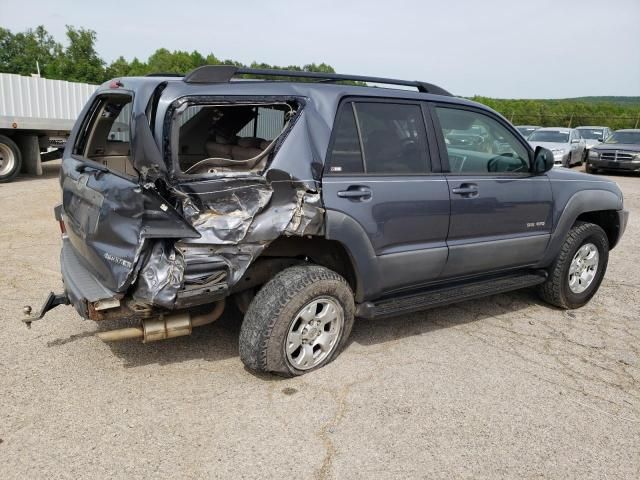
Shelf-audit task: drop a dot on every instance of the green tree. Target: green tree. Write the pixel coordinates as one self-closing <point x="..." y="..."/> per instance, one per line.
<point x="23" y="52"/>
<point x="79" y="62"/>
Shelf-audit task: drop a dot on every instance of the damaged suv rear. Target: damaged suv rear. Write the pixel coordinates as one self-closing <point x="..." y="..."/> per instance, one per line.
<point x="179" y="193"/>
<point x="303" y="204"/>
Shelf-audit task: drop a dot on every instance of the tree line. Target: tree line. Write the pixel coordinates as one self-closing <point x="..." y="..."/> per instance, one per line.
<point x="608" y="112"/>
<point x="25" y="52"/>
<point x="79" y="61"/>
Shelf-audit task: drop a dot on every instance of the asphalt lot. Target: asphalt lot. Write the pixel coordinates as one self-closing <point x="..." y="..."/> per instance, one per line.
<point x="505" y="387"/>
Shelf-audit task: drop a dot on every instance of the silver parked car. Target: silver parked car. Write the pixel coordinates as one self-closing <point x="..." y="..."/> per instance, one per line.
<point x="594" y="135"/>
<point x="567" y="145"/>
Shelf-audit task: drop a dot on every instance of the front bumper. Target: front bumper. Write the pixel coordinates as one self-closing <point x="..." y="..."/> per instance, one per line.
<point x="627" y="166"/>
<point x="623" y="219"/>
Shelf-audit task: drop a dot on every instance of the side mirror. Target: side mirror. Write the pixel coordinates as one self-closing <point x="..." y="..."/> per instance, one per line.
<point x="542" y="160"/>
<point x="575" y="140"/>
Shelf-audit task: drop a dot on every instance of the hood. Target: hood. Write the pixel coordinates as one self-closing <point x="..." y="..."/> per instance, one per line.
<point x="551" y="145"/>
<point x="627" y="147"/>
<point x="573" y="175"/>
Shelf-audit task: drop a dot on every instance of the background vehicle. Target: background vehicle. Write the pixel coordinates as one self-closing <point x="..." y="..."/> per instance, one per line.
<point x="620" y="151"/>
<point x="36" y="116"/>
<point x="306" y="227"/>
<point x="565" y="143"/>
<point x="593" y="135"/>
<point x="527" y="130"/>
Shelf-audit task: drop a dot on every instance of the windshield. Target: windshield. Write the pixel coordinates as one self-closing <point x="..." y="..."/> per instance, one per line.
<point x="526" y="131"/>
<point x="591" y="133"/>
<point x="624" y="137"/>
<point x="549" y="136"/>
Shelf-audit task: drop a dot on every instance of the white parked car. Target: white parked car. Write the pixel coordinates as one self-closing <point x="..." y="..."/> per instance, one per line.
<point x="567" y="145"/>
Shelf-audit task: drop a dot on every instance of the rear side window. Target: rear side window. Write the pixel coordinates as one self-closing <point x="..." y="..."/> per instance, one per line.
<point x="379" y="138"/>
<point x="346" y="156"/>
<point x="105" y="138"/>
<point x="393" y="137"/>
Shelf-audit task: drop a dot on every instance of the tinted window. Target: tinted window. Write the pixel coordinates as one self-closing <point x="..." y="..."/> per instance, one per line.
<point x="477" y="143"/>
<point x="393" y="136"/>
<point x="345" y="156"/>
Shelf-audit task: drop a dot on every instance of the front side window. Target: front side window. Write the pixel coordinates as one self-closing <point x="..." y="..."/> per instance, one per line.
<point x="477" y="143"/>
<point x="379" y="138"/>
<point x="106" y="136"/>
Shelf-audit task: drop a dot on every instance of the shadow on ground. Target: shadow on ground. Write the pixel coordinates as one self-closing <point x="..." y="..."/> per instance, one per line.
<point x="219" y="341"/>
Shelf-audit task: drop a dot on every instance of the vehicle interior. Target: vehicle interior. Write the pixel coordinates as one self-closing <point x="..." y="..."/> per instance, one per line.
<point x="107" y="138"/>
<point x="478" y="144"/>
<point x="230" y="137"/>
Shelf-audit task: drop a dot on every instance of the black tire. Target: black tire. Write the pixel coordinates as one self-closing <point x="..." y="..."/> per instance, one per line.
<point x="9" y="149"/>
<point x="590" y="169"/>
<point x="275" y="308"/>
<point x="555" y="290"/>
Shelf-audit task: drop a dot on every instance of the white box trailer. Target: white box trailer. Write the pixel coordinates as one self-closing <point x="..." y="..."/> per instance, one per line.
<point x="36" y="116"/>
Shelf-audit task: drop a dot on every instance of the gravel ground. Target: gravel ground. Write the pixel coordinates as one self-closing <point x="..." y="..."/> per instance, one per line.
<point x="502" y="387"/>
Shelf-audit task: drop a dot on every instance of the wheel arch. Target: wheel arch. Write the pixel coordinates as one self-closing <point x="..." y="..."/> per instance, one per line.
<point x="601" y="207"/>
<point x="285" y="252"/>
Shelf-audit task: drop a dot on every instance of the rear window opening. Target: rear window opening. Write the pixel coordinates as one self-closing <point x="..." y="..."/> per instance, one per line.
<point x="106" y="137"/>
<point x="232" y="137"/>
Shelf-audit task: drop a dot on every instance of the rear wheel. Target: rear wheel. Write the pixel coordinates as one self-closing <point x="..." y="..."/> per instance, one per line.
<point x="10" y="159"/>
<point x="577" y="271"/>
<point x="299" y="321"/>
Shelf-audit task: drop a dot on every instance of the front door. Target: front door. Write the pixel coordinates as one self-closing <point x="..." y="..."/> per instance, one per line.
<point x="379" y="174"/>
<point x="500" y="212"/>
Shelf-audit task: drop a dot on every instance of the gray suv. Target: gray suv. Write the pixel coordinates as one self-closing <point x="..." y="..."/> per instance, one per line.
<point x="299" y="206"/>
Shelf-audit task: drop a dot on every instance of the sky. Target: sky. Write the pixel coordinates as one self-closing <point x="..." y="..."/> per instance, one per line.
<point x="495" y="48"/>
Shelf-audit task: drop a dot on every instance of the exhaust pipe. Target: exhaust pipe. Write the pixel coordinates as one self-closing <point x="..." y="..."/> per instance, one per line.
<point x="170" y="326"/>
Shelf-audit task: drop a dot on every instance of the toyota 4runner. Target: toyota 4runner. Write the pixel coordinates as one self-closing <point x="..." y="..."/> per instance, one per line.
<point x="305" y="204"/>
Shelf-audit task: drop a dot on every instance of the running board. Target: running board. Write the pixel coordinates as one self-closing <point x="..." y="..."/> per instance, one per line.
<point x="438" y="297"/>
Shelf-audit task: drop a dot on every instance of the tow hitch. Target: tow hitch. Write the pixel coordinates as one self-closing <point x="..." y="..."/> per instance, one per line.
<point x="52" y="301"/>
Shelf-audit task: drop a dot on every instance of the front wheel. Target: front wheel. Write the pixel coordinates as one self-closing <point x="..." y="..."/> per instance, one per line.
<point x="577" y="271"/>
<point x="299" y="321"/>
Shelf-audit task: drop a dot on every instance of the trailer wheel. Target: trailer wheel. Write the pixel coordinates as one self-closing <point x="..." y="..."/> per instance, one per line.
<point x="10" y="159"/>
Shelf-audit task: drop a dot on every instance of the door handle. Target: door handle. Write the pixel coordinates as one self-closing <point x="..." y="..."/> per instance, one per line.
<point x="466" y="190"/>
<point x="355" y="192"/>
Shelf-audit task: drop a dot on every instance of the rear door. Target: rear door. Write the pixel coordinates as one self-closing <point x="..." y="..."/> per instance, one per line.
<point x="108" y="214"/>
<point x="379" y="173"/>
<point x="500" y="212"/>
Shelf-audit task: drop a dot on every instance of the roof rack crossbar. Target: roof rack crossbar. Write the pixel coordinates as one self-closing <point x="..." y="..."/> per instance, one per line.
<point x="224" y="73"/>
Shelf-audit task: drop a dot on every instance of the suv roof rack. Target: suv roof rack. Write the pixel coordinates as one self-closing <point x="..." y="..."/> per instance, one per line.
<point x="224" y="73"/>
<point x="163" y="74"/>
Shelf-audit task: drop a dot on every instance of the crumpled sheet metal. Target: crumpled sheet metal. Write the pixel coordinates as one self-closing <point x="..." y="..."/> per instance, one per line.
<point x="226" y="218"/>
<point x="236" y="221"/>
<point x="161" y="276"/>
<point x="289" y="210"/>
